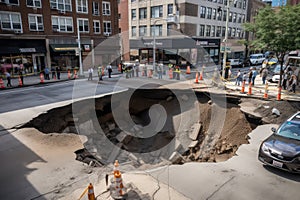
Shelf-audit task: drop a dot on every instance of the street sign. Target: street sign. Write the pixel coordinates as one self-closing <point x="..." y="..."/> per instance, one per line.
<point x="222" y="48"/>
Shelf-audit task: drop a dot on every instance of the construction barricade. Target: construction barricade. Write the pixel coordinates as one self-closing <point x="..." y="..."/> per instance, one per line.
<point x="2" y="86"/>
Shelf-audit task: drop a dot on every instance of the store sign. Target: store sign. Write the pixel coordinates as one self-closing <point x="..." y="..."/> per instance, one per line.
<point x="204" y="43"/>
<point x="27" y="50"/>
<point x="151" y="43"/>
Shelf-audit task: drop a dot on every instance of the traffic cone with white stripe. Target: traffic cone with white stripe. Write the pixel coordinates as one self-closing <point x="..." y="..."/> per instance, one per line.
<point x="91" y="195"/>
<point x="266" y="91"/>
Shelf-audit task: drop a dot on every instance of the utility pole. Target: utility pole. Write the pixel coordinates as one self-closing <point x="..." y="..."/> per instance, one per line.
<point x="225" y="40"/>
<point x="79" y="50"/>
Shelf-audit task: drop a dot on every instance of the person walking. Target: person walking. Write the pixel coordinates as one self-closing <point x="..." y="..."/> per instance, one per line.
<point x="254" y="74"/>
<point x="53" y="73"/>
<point x="100" y="73"/>
<point x="264" y="74"/>
<point x="58" y="69"/>
<point x="160" y="71"/>
<point x="239" y="78"/>
<point x="250" y="73"/>
<point x="8" y="78"/>
<point x="47" y="77"/>
<point x="293" y="83"/>
<point x="21" y="76"/>
<point x="109" y="69"/>
<point x="90" y="71"/>
<point x="177" y="72"/>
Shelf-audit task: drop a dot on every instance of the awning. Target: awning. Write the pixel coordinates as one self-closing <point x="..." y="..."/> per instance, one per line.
<point x="22" y="46"/>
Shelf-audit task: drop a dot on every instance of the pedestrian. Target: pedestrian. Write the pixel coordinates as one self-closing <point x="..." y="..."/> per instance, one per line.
<point x="100" y="73"/>
<point x="8" y="78"/>
<point x="137" y="66"/>
<point x="53" y="72"/>
<point x="47" y="77"/>
<point x="160" y="71"/>
<point x="250" y="75"/>
<point x="90" y="71"/>
<point x="58" y="70"/>
<point x="238" y="78"/>
<point x="264" y="74"/>
<point x="254" y="74"/>
<point x="109" y="69"/>
<point x="293" y="83"/>
<point x="177" y="72"/>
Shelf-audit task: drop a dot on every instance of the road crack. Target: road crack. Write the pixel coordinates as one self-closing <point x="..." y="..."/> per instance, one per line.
<point x="218" y="189"/>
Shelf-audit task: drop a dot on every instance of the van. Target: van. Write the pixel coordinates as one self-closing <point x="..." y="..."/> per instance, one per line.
<point x="256" y="59"/>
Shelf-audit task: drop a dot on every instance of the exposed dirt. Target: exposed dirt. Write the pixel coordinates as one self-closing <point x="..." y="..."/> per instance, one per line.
<point x="208" y="146"/>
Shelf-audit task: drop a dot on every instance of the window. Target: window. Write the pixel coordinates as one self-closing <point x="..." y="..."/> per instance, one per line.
<point x="234" y="18"/>
<point x="229" y="31"/>
<point x="143" y="13"/>
<point x="230" y="17"/>
<point x="156" y="11"/>
<point x="223" y="31"/>
<point x="62" y="24"/>
<point x="96" y="24"/>
<point x="133" y="14"/>
<point x="201" y="31"/>
<point x="170" y="9"/>
<point x="219" y="15"/>
<point x="208" y="30"/>
<point x="13" y="2"/>
<point x="224" y="15"/>
<point x="244" y="4"/>
<point x="133" y="31"/>
<point x="243" y="18"/>
<point x="143" y="31"/>
<point x="218" y="33"/>
<point x="35" y="22"/>
<point x="169" y="29"/>
<point x="64" y="5"/>
<point x="83" y="25"/>
<point x="239" y="16"/>
<point x="156" y="30"/>
<point x="106" y="26"/>
<point x="34" y="3"/>
<point x="106" y="8"/>
<point x="213" y="30"/>
<point x="10" y="21"/>
<point x="238" y="33"/>
<point x="214" y="13"/>
<point x="82" y="6"/>
<point x="202" y="12"/>
<point x="221" y="1"/>
<point x="96" y="8"/>
<point x="209" y="13"/>
<point x="233" y="32"/>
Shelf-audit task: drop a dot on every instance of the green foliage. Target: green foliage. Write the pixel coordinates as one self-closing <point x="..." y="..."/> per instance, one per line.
<point x="276" y="30"/>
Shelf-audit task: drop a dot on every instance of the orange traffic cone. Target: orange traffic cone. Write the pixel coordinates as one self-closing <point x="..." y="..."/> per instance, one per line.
<point x="171" y="73"/>
<point x="201" y="75"/>
<point x="91" y="195"/>
<point x="279" y="94"/>
<point x="243" y="86"/>
<point x="150" y="74"/>
<point x="197" y="77"/>
<point x="75" y="73"/>
<point x="188" y="70"/>
<point x="250" y="89"/>
<point x="20" y="82"/>
<point x="119" y="67"/>
<point x="41" y="78"/>
<point x="266" y="91"/>
<point x="2" y="86"/>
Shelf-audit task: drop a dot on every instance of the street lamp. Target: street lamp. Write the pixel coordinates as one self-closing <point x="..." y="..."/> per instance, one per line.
<point x="226" y="38"/>
<point x="79" y="51"/>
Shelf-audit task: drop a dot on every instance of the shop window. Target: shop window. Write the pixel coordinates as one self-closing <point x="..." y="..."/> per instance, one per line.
<point x="63" y="5"/>
<point x="107" y="27"/>
<point x="62" y="24"/>
<point x="11" y="21"/>
<point x="156" y="11"/>
<point x="97" y="28"/>
<point x="106" y="8"/>
<point x="82" y="6"/>
<point x="83" y="25"/>
<point x="34" y="3"/>
<point x="96" y="8"/>
<point x="35" y="22"/>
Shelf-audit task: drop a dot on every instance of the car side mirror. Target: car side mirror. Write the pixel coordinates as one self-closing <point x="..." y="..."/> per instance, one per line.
<point x="273" y="129"/>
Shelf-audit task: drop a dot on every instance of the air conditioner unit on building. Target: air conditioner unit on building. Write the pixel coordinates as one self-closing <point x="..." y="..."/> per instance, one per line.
<point x="62" y="11"/>
<point x="17" y="31"/>
<point x="107" y="34"/>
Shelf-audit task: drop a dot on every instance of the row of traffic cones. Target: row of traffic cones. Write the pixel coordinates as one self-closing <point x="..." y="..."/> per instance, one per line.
<point x="266" y="95"/>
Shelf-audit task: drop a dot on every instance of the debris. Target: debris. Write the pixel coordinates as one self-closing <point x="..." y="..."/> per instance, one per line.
<point x="276" y="111"/>
<point x="195" y="131"/>
<point x="176" y="157"/>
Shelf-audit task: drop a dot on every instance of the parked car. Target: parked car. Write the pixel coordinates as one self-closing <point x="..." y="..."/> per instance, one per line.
<point x="282" y="148"/>
<point x="274" y="72"/>
<point x="238" y="62"/>
<point x="256" y="59"/>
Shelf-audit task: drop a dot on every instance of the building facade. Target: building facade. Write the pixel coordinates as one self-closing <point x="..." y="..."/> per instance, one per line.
<point x="184" y="28"/>
<point x="38" y="34"/>
<point x="293" y="2"/>
<point x="123" y="29"/>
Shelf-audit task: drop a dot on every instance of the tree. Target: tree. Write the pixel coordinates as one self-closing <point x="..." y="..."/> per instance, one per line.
<point x="276" y="30"/>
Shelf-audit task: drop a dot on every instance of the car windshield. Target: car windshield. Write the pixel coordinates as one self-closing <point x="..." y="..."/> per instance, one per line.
<point x="277" y="68"/>
<point x="253" y="57"/>
<point x="290" y="130"/>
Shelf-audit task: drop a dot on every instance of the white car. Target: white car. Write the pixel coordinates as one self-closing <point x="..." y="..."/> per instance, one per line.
<point x="257" y="59"/>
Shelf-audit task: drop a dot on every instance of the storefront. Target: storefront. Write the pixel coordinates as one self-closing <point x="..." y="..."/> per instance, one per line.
<point x="181" y="51"/>
<point x="25" y="54"/>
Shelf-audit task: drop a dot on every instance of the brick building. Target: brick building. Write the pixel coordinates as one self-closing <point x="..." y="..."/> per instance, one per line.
<point x="39" y="34"/>
<point x="124" y="28"/>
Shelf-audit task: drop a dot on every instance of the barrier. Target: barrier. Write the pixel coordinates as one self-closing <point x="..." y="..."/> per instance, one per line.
<point x="250" y="89"/>
<point x="279" y="94"/>
<point x="266" y="91"/>
<point x="41" y="78"/>
<point x="188" y="70"/>
<point x="20" y="82"/>
<point x="170" y="73"/>
<point x="196" y="80"/>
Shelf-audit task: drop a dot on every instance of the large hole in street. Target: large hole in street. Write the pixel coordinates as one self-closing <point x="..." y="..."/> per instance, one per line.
<point x="95" y="115"/>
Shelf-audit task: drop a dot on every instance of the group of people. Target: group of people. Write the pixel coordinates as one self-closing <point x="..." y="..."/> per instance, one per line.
<point x="289" y="80"/>
<point x="100" y="72"/>
<point x="55" y="72"/>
